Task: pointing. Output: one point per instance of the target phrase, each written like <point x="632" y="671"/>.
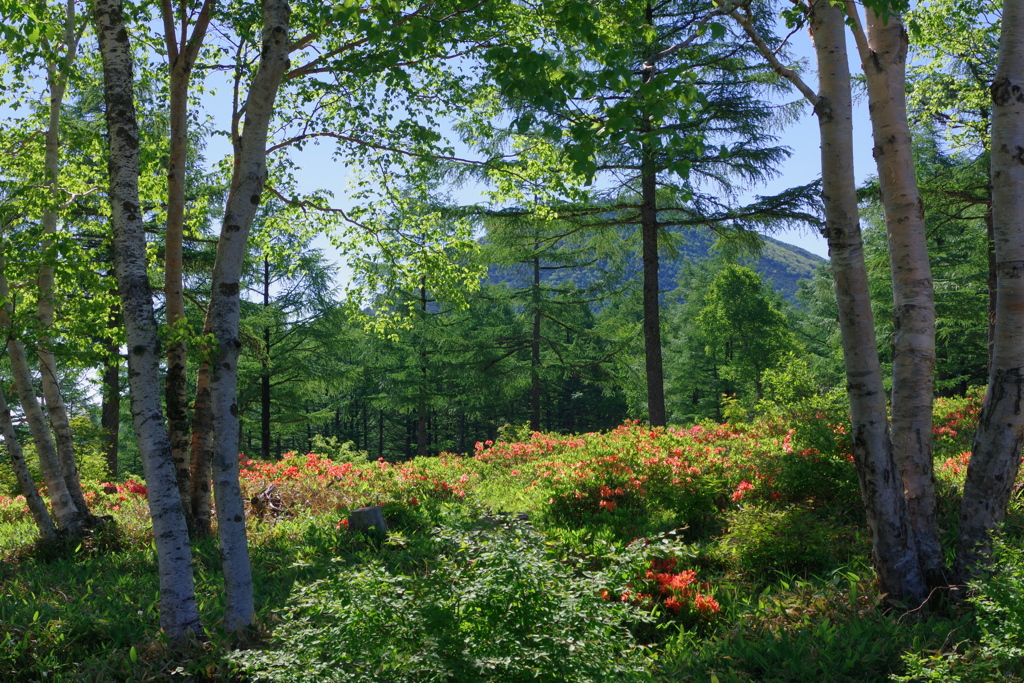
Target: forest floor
<point x="713" y="553"/>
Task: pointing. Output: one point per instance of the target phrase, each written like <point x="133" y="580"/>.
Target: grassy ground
<point x="716" y="553"/>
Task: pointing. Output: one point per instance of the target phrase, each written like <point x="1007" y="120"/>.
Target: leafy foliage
<point x="493" y="604"/>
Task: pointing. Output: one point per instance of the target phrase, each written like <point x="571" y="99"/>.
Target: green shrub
<point x="92" y="468"/>
<point x="805" y="631"/>
<point x="493" y="605"/>
<point x="337" y="451"/>
<point x="999" y="656"/>
<point x="827" y="478"/>
<point x="791" y="540"/>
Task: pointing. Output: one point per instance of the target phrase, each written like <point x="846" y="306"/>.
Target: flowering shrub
<point x="13" y="509"/>
<point x="677" y="594"/>
<point x="954" y="421"/>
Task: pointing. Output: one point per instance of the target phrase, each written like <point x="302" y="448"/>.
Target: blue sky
<point x="317" y="170"/>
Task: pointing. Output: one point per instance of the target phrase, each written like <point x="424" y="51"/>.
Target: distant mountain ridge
<point x="781" y="265"/>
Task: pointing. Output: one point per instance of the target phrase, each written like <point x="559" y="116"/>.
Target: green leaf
<point x="133" y="655"/>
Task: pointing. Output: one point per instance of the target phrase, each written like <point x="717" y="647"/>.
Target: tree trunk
<point x="201" y="456"/>
<point x="182" y="57"/>
<point x="179" y="614"/>
<point x="40" y="515"/>
<point x="883" y="54"/>
<point x="56" y="78"/>
<point x="895" y="551"/>
<point x="70" y="518"/>
<point x="990" y="281"/>
<point x="996" y="454"/>
<point x="224" y="314"/>
<point x="649" y="238"/>
<point x="110" y="412"/>
<point x="175" y="383"/>
<point x="535" y="351"/>
<point x="421" y="406"/>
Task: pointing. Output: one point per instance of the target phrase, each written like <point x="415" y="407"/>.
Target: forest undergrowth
<point x="718" y="552"/>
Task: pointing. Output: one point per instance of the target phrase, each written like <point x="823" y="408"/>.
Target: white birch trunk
<point x="179" y="614"/>
<point x="70" y="519"/>
<point x="36" y="506"/>
<point x="895" y="552"/>
<point x="996" y="454"/>
<point x="57" y="84"/>
<point x="243" y="200"/>
<point x="883" y="53"/>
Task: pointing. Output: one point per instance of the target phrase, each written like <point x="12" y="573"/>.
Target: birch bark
<point x="57" y="80"/>
<point x="36" y="506"/>
<point x="996" y="454"/>
<point x="883" y="55"/>
<point x="224" y="313"/>
<point x="895" y="551"/>
<point x="179" y="614"/>
<point x="70" y="519"/>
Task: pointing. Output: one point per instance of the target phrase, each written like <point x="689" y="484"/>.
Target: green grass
<point x="472" y="595"/>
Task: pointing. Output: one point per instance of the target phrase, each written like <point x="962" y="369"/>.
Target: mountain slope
<point x="781" y="265"/>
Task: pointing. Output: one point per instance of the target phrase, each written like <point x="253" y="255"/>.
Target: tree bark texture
<point x="895" y="551"/>
<point x="883" y="54"/>
<point x="57" y="78"/>
<point x="652" y="310"/>
<point x="243" y="201"/>
<point x="110" y="411"/>
<point x="36" y="506"/>
<point x="535" y="388"/>
<point x="996" y="454"/>
<point x="179" y="614"/>
<point x="201" y="456"/>
<point x="182" y="57"/>
<point x="70" y="518"/>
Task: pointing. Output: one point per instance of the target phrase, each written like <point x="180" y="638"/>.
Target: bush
<point x="999" y="656"/>
<point x="805" y="631"/>
<point x="338" y="452"/>
<point x="493" y="605"/>
<point x="791" y="540"/>
<point x="88" y="456"/>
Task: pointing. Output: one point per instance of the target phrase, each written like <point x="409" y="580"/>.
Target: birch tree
<point x="70" y="518"/>
<point x="179" y="614"/>
<point x="883" y="55"/>
<point x="893" y="542"/>
<point x="996" y="454"/>
<point x="247" y="186"/>
<point x="36" y="505"/>
<point x="57" y="74"/>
